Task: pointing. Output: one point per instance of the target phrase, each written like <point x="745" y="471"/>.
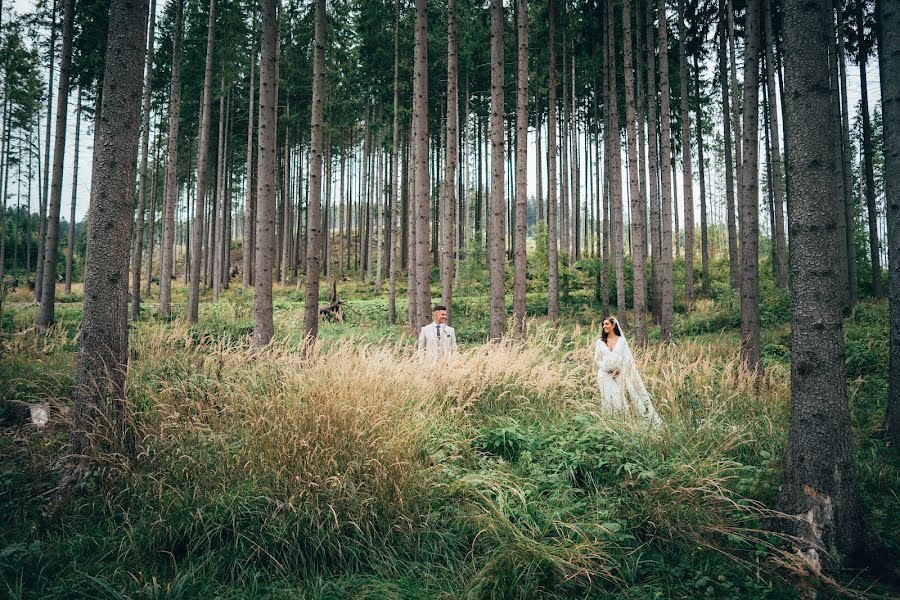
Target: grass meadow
<point x="354" y="472"/>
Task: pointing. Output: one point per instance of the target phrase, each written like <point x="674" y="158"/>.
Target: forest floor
<point x="353" y="473"/>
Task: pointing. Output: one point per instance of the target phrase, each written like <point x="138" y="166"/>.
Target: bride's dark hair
<point x="616" y="329"/>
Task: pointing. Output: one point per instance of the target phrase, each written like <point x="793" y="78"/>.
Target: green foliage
<point x="264" y="478"/>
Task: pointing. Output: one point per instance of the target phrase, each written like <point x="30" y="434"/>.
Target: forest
<point x="478" y="299"/>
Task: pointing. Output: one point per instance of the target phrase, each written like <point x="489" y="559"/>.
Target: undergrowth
<point x="354" y="471"/>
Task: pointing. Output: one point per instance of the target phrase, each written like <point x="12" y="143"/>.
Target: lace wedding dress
<point x="618" y="377"/>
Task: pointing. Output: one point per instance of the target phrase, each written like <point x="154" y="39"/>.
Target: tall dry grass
<point x="354" y="457"/>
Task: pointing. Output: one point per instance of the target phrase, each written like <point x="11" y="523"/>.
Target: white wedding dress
<point x="627" y="381"/>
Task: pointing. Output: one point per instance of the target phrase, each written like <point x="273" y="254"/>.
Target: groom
<point x="437" y="340"/>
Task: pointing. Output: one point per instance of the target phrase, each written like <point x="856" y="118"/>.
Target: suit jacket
<point x="431" y="348"/>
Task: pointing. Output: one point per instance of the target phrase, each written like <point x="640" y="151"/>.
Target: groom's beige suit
<point x="436" y="342"/>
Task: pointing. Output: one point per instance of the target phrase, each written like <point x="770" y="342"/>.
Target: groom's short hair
<point x="439" y="307"/>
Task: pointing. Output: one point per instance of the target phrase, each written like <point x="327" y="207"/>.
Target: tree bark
<point x="653" y="160"/>
<point x="735" y="102"/>
<point x="553" y="250"/>
<point x="264" y="253"/>
<point x="448" y="229"/>
<point x="101" y="411"/>
<point x="733" y="266"/>
<point x="395" y="179"/>
<point x="848" y="208"/>
<point x="751" y="345"/>
<point x="614" y="161"/>
<point x="778" y="236"/>
<point x="193" y="306"/>
<point x="889" y="68"/>
<point x="142" y="178"/>
<point x="820" y="485"/>
<point x="638" y="234"/>
<point x="521" y="168"/>
<point x="167" y="258"/>
<point x="539" y="175"/>
<point x="497" y="225"/>
<point x="152" y="224"/>
<point x="576" y="172"/>
<point x="868" y="169"/>
<point x="51" y="242"/>
<point x="704" y="231"/>
<point x="422" y="189"/>
<point x="248" y="242"/>
<point x="218" y="206"/>
<point x="667" y="308"/>
<point x="838" y="161"/>
<point x="45" y="196"/>
<point x="412" y="286"/>
<point x="688" y="177"/>
<point x="70" y="238"/>
<point x="314" y="206"/>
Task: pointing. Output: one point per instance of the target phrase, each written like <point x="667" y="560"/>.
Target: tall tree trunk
<point x="142" y="177"/>
<point x="688" y="178"/>
<point x="101" y="412"/>
<point x="28" y="198"/>
<point x="152" y="232"/>
<point x="667" y="308"/>
<point x="820" y="486"/>
<point x="564" y="134"/>
<point x="838" y="164"/>
<point x="264" y="253"/>
<point x="704" y="232"/>
<point x="395" y="179"/>
<point x="576" y="175"/>
<point x="190" y="206"/>
<point x="287" y="200"/>
<point x="521" y="168"/>
<point x="218" y="204"/>
<point x="497" y="223"/>
<point x="778" y="236"/>
<point x="447" y="257"/>
<point x="70" y="238"/>
<point x="314" y="207"/>
<point x="422" y="189"/>
<point x="641" y="117"/>
<point x="735" y="102"/>
<point x="848" y="208"/>
<point x="45" y="195"/>
<point x="539" y="199"/>
<point x="248" y="242"/>
<point x="638" y="237"/>
<point x="868" y="170"/>
<point x="889" y="69"/>
<point x="733" y="267"/>
<point x="167" y="258"/>
<point x="364" y="201"/>
<point x="615" y="171"/>
<point x="4" y="180"/>
<point x="653" y="162"/>
<point x="553" y="250"/>
<point x="197" y="232"/>
<point x="229" y="184"/>
<point x="379" y="212"/>
<point x="749" y="200"/>
<point x="51" y="242"/>
<point x="410" y="179"/>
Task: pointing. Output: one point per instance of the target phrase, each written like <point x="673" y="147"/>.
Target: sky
<point x="86" y="139"/>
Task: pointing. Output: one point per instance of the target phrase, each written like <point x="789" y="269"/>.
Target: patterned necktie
<point x="439" y="333"/>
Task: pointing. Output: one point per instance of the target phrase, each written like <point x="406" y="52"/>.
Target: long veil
<point x="634" y="385"/>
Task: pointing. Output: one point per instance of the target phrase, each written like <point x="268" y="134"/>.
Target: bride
<point x="617" y="374"/>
